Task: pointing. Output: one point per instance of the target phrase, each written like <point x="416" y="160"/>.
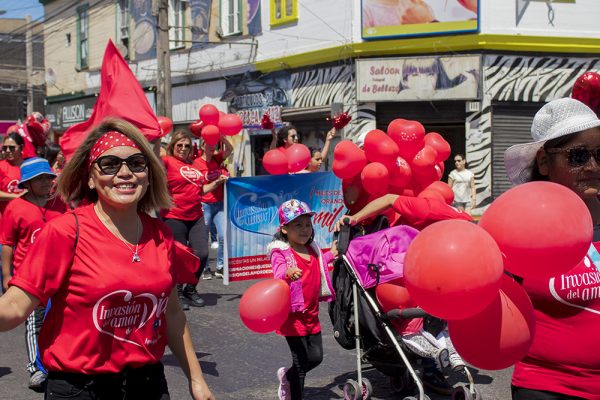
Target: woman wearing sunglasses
<point x="10" y="172"/>
<point x="108" y="269"/>
<point x="562" y="362"/>
<point x="186" y="218"/>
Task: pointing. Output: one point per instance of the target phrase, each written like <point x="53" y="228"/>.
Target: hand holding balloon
<point x="293" y="273"/>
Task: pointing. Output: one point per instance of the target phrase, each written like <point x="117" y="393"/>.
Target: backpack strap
<point x="76" y="232"/>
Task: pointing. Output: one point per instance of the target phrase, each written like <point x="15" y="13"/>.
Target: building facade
<point x="474" y="71"/>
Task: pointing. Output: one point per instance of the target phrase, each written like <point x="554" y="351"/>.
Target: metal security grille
<point x="511" y="124"/>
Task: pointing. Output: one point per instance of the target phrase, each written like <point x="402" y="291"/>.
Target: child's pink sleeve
<point x="278" y="264"/>
<point x="328" y="258"/>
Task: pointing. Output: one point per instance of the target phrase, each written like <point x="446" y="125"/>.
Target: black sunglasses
<point x="9" y="148"/>
<point x="578" y="156"/>
<point x="183" y="146"/>
<point x="110" y="165"/>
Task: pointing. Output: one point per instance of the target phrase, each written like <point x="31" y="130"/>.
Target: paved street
<point x="238" y="364"/>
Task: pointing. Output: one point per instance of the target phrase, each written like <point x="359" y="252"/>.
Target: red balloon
<point x="375" y="178"/>
<point x="230" y="124"/>
<point x="400" y="173"/>
<point x="211" y="135"/>
<point x="265" y="305"/>
<point x="379" y="147"/>
<point x="348" y="160"/>
<point x="587" y="90"/>
<point x="424" y="160"/>
<point x="209" y="114"/>
<point x="439" y="144"/>
<point x="275" y="162"/>
<point x="298" y="156"/>
<point x="166" y="125"/>
<point x="196" y="128"/>
<point x="452" y="269"/>
<point x="542" y="228"/>
<point x="442" y="188"/>
<point x="408" y="135"/>
<point x="393" y="295"/>
<point x="501" y="334"/>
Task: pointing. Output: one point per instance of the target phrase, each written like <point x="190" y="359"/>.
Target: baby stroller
<point x="376" y="342"/>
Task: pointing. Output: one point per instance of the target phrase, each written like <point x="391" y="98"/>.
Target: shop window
<point x="176" y="23"/>
<point x="283" y="12"/>
<point x="123" y="18"/>
<point x="231" y="17"/>
<point x="83" y="37"/>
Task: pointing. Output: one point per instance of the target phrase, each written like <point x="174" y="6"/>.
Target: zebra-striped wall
<point x="514" y="79"/>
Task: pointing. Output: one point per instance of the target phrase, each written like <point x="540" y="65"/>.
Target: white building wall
<point x="541" y="18"/>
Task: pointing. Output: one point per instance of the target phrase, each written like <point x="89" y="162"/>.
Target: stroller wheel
<point x="463" y="393"/>
<point x="353" y="391"/>
<point x="398" y="384"/>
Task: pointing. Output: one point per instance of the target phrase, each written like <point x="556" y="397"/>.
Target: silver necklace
<point x="136" y="257"/>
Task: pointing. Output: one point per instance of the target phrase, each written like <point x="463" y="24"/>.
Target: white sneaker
<point x="207" y="275"/>
<point x="284" y="385"/>
<point x="219" y="274"/>
<point x="214" y="245"/>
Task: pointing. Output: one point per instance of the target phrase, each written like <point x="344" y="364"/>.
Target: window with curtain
<point x="83" y="37"/>
<point x="283" y="12"/>
<point x="231" y="17"/>
<point x="176" y="23"/>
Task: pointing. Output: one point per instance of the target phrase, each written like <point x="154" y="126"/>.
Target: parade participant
<point x="319" y="156"/>
<point x="284" y="138"/>
<point x="108" y="268"/>
<point x="210" y="164"/>
<point x="565" y="150"/>
<point x="186" y="218"/>
<point x="462" y="182"/>
<point x="9" y="169"/>
<point x="299" y="261"/>
<point x="22" y="221"/>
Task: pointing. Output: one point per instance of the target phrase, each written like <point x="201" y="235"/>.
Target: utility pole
<point x="29" y="64"/>
<point x="163" y="57"/>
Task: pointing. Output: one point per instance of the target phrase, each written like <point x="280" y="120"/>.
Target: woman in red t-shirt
<point x="562" y="362"/>
<point x="109" y="269"/>
<point x="186" y="218"/>
<point x="210" y="164"/>
<point x="10" y="173"/>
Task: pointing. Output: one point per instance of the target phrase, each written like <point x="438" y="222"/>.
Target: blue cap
<point x="34" y="167"/>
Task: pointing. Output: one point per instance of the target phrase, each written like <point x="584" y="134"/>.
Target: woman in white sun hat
<point x="561" y="363"/>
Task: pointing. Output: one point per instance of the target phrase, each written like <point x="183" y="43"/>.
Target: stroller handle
<point x="406" y="313"/>
<point x="343" y="237"/>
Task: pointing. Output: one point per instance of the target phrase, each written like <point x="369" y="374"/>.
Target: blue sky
<point x="20" y="8"/>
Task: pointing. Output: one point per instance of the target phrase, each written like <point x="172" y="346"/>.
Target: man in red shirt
<point x="23" y="219"/>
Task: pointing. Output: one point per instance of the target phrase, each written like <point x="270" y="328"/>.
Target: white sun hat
<point x="555" y="119"/>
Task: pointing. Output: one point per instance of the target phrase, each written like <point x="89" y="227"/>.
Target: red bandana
<point x="108" y="141"/>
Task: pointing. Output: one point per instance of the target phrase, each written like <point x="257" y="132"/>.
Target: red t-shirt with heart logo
<point x="563" y="357"/>
<point x="10" y="175"/>
<point x="22" y="222"/>
<point x="185" y="183"/>
<point x="211" y="171"/>
<point x="107" y="312"/>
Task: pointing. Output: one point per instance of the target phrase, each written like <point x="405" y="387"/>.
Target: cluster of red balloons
<point x="214" y="123"/>
<point x="455" y="270"/>
<point x="265" y="306"/>
<point x="404" y="161"/>
<point x="283" y="161"/>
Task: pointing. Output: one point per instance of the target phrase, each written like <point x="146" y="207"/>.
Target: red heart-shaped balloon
<point x="587" y="90"/>
<point x="348" y="160"/>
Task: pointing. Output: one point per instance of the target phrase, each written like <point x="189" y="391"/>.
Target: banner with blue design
<point x="251" y="211"/>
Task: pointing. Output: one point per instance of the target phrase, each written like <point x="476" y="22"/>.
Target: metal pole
<point x="29" y="64"/>
<point x="163" y="58"/>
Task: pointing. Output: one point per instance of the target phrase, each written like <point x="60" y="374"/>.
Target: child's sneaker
<point x="284" y="385"/>
<point x="207" y="275"/>
<point x="36" y="381"/>
<point x="219" y="274"/>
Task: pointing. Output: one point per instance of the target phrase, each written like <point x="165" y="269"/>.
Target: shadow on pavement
<point x="208" y="367"/>
<point x="5" y="371"/>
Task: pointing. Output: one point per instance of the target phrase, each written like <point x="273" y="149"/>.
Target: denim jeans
<point x="213" y="212"/>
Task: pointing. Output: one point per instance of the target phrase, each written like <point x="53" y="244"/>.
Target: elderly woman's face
<point x="576" y="164"/>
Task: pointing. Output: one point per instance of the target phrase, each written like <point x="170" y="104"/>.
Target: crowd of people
<point x="105" y="330"/>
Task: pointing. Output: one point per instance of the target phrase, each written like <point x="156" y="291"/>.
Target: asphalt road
<point x="239" y="364"/>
